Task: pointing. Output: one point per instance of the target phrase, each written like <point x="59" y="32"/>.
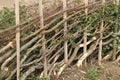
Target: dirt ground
<point x="6" y="3"/>
<point x="108" y="71"/>
<point x="10" y="3"/>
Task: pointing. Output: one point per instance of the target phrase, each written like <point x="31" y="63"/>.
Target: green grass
<point x="92" y="74"/>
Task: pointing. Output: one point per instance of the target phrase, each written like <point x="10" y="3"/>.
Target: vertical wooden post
<point x="43" y="37"/>
<point x="85" y="36"/>
<point x="86" y="9"/>
<point x="116" y="2"/>
<point x="17" y="19"/>
<point x="65" y="31"/>
<point x="101" y="36"/>
<point x="85" y="33"/>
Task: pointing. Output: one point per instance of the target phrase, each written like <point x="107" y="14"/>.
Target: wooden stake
<point x="86" y="4"/>
<point x="85" y="36"/>
<point x="43" y="37"/>
<point x="17" y="18"/>
<point x="85" y="33"/>
<point x="115" y="30"/>
<point x="65" y="31"/>
<point x="117" y="2"/>
<point x="101" y="36"/>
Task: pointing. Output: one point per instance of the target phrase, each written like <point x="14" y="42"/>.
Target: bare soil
<point x="108" y="71"/>
<point x="6" y="3"/>
<point x="10" y="3"/>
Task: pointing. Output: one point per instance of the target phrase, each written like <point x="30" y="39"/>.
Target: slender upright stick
<point x="85" y="33"/>
<point x="117" y="2"/>
<point x="115" y="30"/>
<point x="85" y="36"/>
<point x="17" y="18"/>
<point x="43" y="37"/>
<point x="101" y="36"/>
<point x="65" y="31"/>
<point x="86" y="9"/>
